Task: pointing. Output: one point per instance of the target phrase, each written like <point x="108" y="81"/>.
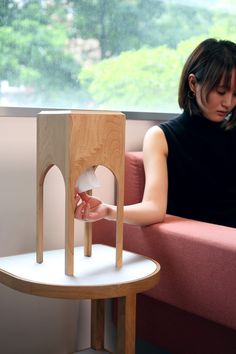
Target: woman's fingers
<point x="77" y="197"/>
<point x="87" y="212"/>
<point x="80" y="211"/>
<point x="76" y="200"/>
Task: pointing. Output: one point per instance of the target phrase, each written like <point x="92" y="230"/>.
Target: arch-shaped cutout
<point x="54" y="208"/>
<point x="44" y="173"/>
<point x="106" y="182"/>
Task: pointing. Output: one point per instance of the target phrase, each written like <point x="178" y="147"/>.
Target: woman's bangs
<point x="227" y="78"/>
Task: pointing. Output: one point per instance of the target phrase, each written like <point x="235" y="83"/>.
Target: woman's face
<point x="220" y="102"/>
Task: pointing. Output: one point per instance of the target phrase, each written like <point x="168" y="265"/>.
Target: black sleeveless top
<point x="201" y="169"/>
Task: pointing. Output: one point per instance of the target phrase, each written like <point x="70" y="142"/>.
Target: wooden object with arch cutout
<point x="75" y="141"/>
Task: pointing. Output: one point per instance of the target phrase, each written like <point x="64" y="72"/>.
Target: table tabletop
<point x="94" y="277"/>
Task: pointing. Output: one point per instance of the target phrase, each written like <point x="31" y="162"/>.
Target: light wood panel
<point x="75" y="141"/>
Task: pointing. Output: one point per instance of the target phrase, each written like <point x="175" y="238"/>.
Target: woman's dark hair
<point x="211" y="62"/>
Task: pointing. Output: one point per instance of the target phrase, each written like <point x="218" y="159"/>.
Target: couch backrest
<point x="134" y="177"/>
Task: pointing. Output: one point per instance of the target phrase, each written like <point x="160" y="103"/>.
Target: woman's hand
<point x="88" y="208"/>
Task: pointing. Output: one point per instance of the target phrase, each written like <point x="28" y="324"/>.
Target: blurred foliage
<point x="136" y="79"/>
<point x="34" y="54"/>
<point x="127" y="25"/>
<point x="142" y="45"/>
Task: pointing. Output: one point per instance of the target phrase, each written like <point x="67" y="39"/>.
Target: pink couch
<point x="193" y="308"/>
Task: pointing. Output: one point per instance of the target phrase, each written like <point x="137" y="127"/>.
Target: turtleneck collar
<point x="201" y="122"/>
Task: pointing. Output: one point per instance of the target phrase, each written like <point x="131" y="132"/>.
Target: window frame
<point x="28" y="112"/>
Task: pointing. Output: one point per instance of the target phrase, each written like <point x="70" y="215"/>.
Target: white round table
<point x="96" y="278"/>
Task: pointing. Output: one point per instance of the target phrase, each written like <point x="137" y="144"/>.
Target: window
<point x="103" y="54"/>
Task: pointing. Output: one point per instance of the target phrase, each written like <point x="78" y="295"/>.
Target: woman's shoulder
<point x="155" y="132"/>
<point x="155" y="140"/>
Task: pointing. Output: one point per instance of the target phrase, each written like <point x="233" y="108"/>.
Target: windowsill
<point x="32" y="112"/>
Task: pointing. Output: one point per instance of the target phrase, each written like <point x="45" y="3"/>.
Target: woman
<point x="189" y="161"/>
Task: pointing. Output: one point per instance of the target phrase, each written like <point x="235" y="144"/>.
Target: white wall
<point x="30" y="324"/>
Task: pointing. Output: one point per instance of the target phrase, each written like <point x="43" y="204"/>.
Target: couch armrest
<point x="198" y="263"/>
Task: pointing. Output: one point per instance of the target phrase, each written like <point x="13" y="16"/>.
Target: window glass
<point x="103" y="54"/>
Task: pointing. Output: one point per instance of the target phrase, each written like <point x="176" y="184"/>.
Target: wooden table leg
<point x="126" y="324"/>
<point x="88" y="240"/>
<point x="97" y="324"/>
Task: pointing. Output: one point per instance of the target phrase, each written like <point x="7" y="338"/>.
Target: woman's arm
<point x="152" y="209"/>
